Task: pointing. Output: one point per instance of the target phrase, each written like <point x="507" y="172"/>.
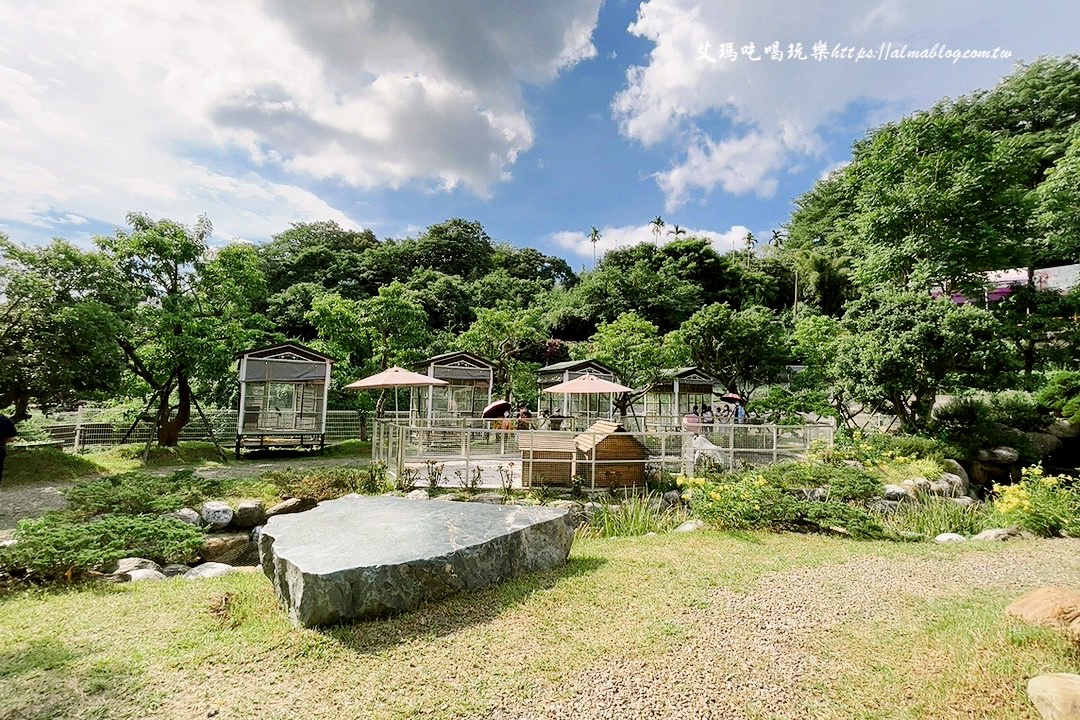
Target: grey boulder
<point x="291" y="505"/>
<point x="208" y="570"/>
<point x="363" y="557"/>
<point x="249" y="513"/>
<point x="216" y="514"/>
<point x="947" y="538"/>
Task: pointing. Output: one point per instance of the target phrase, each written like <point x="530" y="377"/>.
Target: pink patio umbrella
<point x="587" y="385"/>
<point x="392" y="379"/>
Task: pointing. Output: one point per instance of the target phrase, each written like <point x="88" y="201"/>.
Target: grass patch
<point x="638" y="515"/>
<point x="37" y="465"/>
<point x="223" y="646"/>
<point x="895" y="473"/>
<point x="125" y="458"/>
<point x="956" y="658"/>
<point x="349" y="448"/>
<point x="930" y="516"/>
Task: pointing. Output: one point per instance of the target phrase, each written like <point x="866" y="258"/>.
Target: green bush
<point x="850" y="485"/>
<point x="784" y="405"/>
<point x="842" y="517"/>
<point x="876" y="448"/>
<point x="969" y="424"/>
<point x="136" y="493"/>
<point x="931" y="516"/>
<point x="325" y="483"/>
<point x="1061" y="394"/>
<point x="61" y="543"/>
<point x="741" y="502"/>
<point x="1018" y="410"/>
<point x="843" y="483"/>
<point x="1046" y="505"/>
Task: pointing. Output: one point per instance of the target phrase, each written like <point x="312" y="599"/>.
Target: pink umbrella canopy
<point x="587" y="385"/>
<point x="393" y="378"/>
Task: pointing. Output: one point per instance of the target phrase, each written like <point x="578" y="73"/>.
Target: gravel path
<point x="753" y="654"/>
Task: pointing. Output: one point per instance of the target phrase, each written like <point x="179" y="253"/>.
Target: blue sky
<point x="539" y="120"/>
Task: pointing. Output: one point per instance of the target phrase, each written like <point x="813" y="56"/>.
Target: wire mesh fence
<point x="91" y="428"/>
<point x="593" y="459"/>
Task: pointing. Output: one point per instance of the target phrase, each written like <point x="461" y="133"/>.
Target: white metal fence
<point x="94" y="427"/>
<point x="494" y="456"/>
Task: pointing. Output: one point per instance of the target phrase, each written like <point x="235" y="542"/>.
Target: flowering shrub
<point x="1046" y="505"/>
<point x="739" y="502"/>
<point x="756" y="500"/>
<point x="877" y="449"/>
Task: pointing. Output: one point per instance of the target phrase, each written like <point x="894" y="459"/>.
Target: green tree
<point x="506" y="336"/>
<point x="742" y="348"/>
<point x="898" y="351"/>
<point x="57" y="327"/>
<point x="185" y="311"/>
<point x="634" y="349"/>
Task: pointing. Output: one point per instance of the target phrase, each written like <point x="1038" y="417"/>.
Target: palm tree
<point x="657" y="227"/>
<point x="676" y="231"/>
<point x="594" y="237"/>
<point x="750" y="242"/>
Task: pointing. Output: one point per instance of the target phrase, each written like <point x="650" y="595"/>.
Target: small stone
<point x="208" y="570"/>
<point x="955" y="486"/>
<point x="226" y="547"/>
<point x="1055" y="695"/>
<point x="1062" y="428"/>
<point x="126" y="565"/>
<point x="144" y="574"/>
<point x="917" y="485"/>
<point x="963" y="501"/>
<point x="191" y="517"/>
<point x="489" y="498"/>
<point x="216" y="514"/>
<point x="947" y="538"/>
<point x="418" y="495"/>
<point x="249" y="513"/>
<point x="690" y="526"/>
<point x="954" y="468"/>
<point x="174" y="570"/>
<point x="897" y="493"/>
<point x="886" y="507"/>
<point x="577" y="512"/>
<point x="997" y="535"/>
<point x="672" y="497"/>
<point x="1002" y="455"/>
<point x="292" y="505"/>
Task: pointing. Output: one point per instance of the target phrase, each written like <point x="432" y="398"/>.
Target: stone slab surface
<point x="361" y="557"/>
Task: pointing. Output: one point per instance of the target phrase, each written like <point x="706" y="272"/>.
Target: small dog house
<point x="283" y="392"/>
<point x="604" y="456"/>
<point x="609" y="457"/>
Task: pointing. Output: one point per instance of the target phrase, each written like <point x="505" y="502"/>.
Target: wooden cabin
<point x="610" y="457"/>
<point x="676" y="394"/>
<point x="283" y="392"/>
<point x="471" y="382"/>
<point x="587" y="406"/>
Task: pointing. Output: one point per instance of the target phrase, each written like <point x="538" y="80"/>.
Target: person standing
<point x="7" y="435"/>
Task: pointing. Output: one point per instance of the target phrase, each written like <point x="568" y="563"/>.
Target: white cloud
<point x="238" y="109"/>
<point x="737" y="124"/>
<point x="627" y="235"/>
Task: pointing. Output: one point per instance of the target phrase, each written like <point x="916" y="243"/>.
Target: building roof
<point x="280" y="350"/>
<point x="576" y="365"/>
<point x="684" y="372"/>
<point x="445" y="358"/>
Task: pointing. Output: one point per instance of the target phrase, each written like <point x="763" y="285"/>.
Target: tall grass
<point x="638" y="515"/>
<point x="930" y="516"/>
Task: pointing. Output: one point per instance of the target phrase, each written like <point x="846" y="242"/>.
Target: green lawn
<point x="223" y="648"/>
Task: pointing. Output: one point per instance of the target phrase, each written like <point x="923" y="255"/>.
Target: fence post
<point x="731" y="446"/>
<point x="78" y="427"/>
<point x="775" y="435"/>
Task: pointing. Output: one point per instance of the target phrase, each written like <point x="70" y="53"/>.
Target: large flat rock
<point x="362" y="557"/>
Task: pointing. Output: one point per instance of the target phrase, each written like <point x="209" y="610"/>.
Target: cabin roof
<point x="301" y="352"/>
